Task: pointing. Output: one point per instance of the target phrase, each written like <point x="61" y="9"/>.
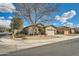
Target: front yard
<point x="39" y="37"/>
<point x="9" y="45"/>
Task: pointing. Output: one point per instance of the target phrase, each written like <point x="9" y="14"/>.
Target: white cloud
<point x="68" y="24"/>
<point x="77" y="25"/>
<point x="66" y="16"/>
<point x="10" y="17"/>
<point x="7" y="7"/>
<point x="5" y="23"/>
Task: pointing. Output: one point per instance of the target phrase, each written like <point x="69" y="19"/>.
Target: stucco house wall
<point x="50" y="30"/>
<point x="65" y="30"/>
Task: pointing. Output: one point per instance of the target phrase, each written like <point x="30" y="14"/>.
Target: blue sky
<point x="64" y="8"/>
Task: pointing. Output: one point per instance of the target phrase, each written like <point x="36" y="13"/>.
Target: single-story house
<point x="65" y="30"/>
<point x="40" y="30"/>
<point x="34" y="29"/>
<point x="30" y="30"/>
<point x="50" y="30"/>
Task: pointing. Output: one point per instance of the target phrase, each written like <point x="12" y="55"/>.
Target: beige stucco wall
<point x="66" y="32"/>
<point x="32" y="31"/>
<point x="50" y="31"/>
<point x="73" y="31"/>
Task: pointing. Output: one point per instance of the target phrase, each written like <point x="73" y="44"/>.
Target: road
<point x="64" y="48"/>
<point x="4" y="34"/>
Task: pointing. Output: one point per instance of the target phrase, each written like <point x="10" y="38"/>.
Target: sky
<point x="66" y="8"/>
<point x="68" y="15"/>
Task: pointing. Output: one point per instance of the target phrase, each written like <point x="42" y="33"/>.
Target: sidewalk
<point x="9" y="45"/>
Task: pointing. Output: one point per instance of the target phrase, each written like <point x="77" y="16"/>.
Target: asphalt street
<point x="4" y="34"/>
<point x="64" y="48"/>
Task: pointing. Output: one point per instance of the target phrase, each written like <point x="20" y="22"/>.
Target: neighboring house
<point x="77" y="30"/>
<point x="50" y="30"/>
<point x="65" y="30"/>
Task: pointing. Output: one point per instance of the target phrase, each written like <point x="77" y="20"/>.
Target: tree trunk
<point x="14" y="33"/>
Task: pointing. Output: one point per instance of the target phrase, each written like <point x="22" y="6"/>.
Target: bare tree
<point x="37" y="12"/>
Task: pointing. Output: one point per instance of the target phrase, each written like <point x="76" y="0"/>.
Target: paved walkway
<point x="9" y="45"/>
